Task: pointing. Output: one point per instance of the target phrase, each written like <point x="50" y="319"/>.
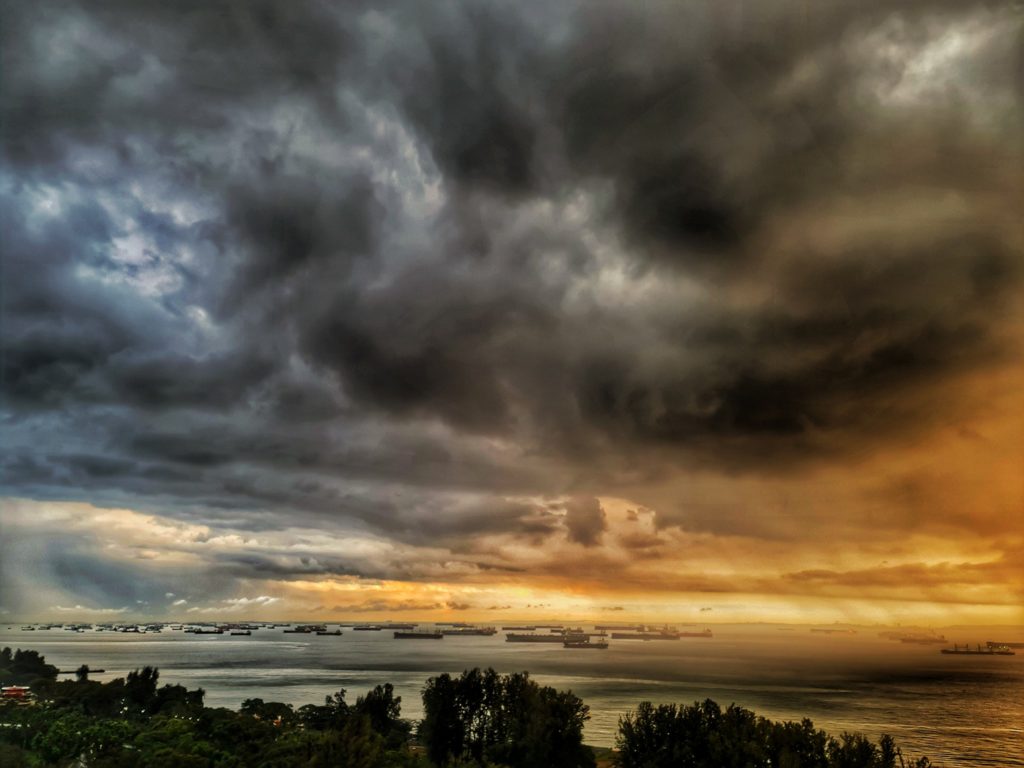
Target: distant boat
<point x="239" y="633"/>
<point x="418" y="636"/>
<point x="336" y="633"/>
<point x="366" y="628"/>
<point x="516" y="637"/>
<point x="306" y="629"/>
<point x="598" y="644"/>
<point x="479" y="631"/>
<point x="966" y="650"/>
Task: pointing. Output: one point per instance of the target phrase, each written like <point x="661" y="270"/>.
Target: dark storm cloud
<point x="585" y="521"/>
<point x="837" y="343"/>
<point x="387" y="264"/>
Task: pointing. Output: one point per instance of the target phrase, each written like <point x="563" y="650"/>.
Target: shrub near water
<point x="704" y="735"/>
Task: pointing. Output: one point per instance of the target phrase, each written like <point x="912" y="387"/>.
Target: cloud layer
<point x="435" y="282"/>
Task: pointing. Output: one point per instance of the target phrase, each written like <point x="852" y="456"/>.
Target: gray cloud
<point x="585" y="521"/>
<point x="388" y="267"/>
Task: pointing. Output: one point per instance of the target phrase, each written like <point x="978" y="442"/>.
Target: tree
<point x="483" y="717"/>
<point x="442" y="729"/>
<point x="140" y="688"/>
<point x="383" y="710"/>
<point x="702" y="735"/>
<point x="24" y="667"/>
<point x="270" y="711"/>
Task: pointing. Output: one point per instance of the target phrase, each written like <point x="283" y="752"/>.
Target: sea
<point x="956" y="710"/>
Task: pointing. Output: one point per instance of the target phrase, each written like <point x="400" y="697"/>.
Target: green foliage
<point x="270" y="711"/>
<point x="704" y="736"/>
<point x="24" y="667"/>
<point x="12" y="756"/>
<point x="483" y="717"/>
<point x="477" y="720"/>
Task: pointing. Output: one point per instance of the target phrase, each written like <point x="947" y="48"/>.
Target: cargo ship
<point x="650" y="633"/>
<point x="479" y="631"/>
<point x="404" y="635"/>
<point x="599" y="644"/>
<point x="516" y="637"/>
<point x="241" y="633"/>
<point x="993" y="644"/>
<point x="306" y="629"/>
<point x="335" y="633"/>
<point x="966" y="650"/>
<point x="832" y="631"/>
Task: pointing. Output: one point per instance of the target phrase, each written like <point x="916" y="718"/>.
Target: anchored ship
<point x="516" y="637"/>
<point x="588" y="643"/>
<point x="966" y="650"/>
<point x="484" y="631"/>
<point x="404" y="635"/>
<point x="306" y="629"/>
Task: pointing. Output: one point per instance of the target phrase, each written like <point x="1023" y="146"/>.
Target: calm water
<point x="957" y="710"/>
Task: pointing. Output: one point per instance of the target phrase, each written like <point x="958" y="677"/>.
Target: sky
<point x="689" y="312"/>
